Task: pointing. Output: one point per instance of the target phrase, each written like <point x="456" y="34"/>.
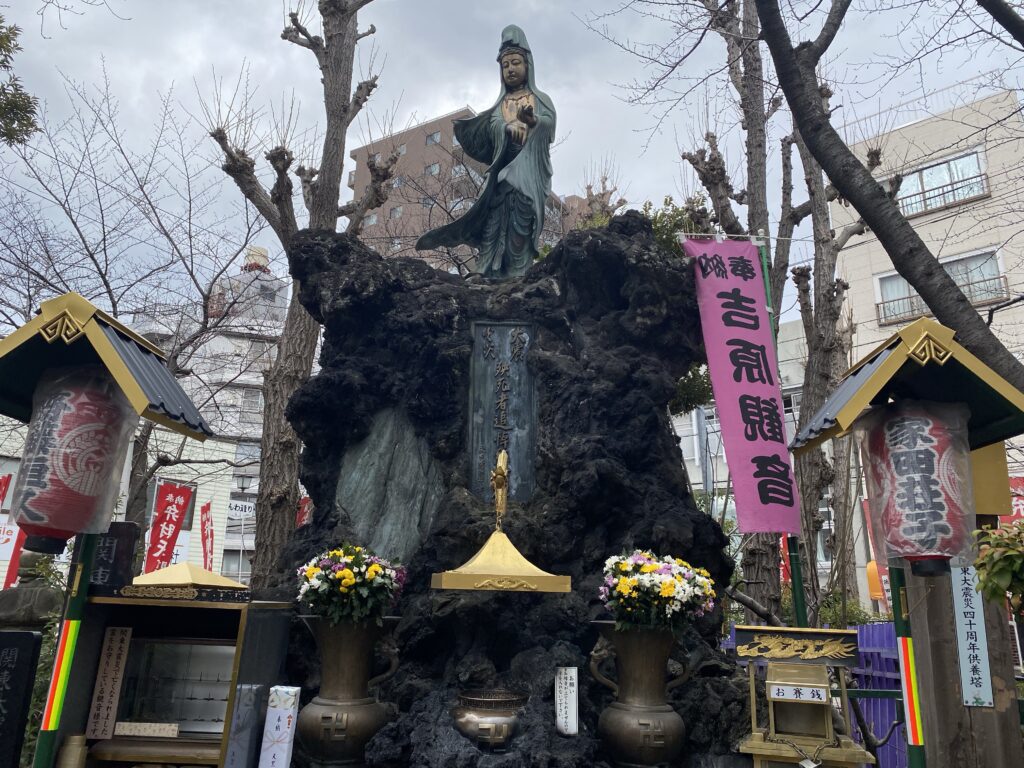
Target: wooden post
<point x="957" y="736"/>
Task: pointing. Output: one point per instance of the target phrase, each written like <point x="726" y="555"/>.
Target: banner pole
<point x="908" y="670"/>
<point x="74" y="610"/>
<point x="792" y="542"/>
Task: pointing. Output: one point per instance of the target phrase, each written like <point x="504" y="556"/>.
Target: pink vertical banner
<point x="206" y="532"/>
<point x="745" y="378"/>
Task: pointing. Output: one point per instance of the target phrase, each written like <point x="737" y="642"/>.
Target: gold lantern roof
<point x="921" y="361"/>
<point x="68" y="331"/>
<point x="498" y="565"/>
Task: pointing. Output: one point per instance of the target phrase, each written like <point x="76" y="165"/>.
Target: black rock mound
<point x="386" y="462"/>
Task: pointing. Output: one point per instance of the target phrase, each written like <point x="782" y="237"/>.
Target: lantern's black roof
<point x="70" y="331"/>
<point x="921" y="361"/>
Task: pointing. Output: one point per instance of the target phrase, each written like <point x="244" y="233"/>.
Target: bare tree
<point x="333" y="49"/>
<point x="796" y="68"/>
<point x="141" y="233"/>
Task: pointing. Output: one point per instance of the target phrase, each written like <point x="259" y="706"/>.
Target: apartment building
<point x="962" y="190"/>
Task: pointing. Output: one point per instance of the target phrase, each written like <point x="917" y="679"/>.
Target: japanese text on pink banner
<point x="745" y="379"/>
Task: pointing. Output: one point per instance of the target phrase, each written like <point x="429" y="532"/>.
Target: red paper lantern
<point x="919" y="482"/>
<point x="74" y="451"/>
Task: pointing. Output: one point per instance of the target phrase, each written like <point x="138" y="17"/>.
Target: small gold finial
<point x="499" y="483"/>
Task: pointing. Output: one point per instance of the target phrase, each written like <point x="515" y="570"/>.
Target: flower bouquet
<point x="350" y="583"/>
<point x="642" y="590"/>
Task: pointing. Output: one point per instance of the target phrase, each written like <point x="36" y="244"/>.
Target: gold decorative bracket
<point x="928" y="349"/>
<point x="64" y="327"/>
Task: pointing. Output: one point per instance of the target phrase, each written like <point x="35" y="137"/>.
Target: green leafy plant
<point x="1000" y="564"/>
<point x="349" y="583"/>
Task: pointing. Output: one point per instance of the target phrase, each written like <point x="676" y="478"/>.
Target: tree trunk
<point x="910" y="256"/>
<point x="277" y="502"/>
<point x="278" y="498"/>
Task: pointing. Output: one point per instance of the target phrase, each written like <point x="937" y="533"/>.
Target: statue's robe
<point x="510" y="209"/>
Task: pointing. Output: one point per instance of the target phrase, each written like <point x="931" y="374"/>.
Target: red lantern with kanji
<point x="919" y="482"/>
<point x="74" y="452"/>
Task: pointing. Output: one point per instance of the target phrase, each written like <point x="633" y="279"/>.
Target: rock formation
<point x="386" y="463"/>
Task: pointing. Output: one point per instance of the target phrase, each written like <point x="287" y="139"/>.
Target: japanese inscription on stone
<point x="113" y="560"/>
<point x="107" y="692"/>
<point x="19" y="654"/>
<point x="502" y="407"/>
<point x="971" y="640"/>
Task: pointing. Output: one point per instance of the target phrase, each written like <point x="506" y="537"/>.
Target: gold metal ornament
<point x="498" y="566"/>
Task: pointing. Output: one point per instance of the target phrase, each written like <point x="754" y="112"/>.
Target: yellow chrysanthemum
<point x="346" y="573"/>
<point x="668" y="589"/>
<point x="649" y="568"/>
<point x="348" y="582"/>
<point x="343" y="590"/>
<point x="623" y="566"/>
<point x="312" y="571"/>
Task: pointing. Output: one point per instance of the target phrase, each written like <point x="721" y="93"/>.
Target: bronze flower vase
<point x="639" y="728"/>
<point x="336" y="725"/>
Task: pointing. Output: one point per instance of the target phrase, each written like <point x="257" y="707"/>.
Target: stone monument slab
<point x="502" y="407"/>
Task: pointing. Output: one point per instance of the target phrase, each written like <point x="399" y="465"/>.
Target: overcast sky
<point x="436" y="56"/>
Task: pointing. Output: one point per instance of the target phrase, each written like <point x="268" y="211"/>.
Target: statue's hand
<point x="517" y="131"/>
<point x="527" y="116"/>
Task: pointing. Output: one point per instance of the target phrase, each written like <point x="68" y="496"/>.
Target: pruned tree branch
<point x="709" y="165"/>
<point x="754" y="607"/>
<point x="375" y="194"/>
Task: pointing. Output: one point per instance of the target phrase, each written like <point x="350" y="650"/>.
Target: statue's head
<point x="513" y="68"/>
<point x="514" y="57"/>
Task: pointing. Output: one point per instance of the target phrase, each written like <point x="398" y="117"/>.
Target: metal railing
<point x="940" y="197"/>
<point x="979" y="293"/>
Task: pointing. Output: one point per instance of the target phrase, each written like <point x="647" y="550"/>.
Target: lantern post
<point x="934" y="415"/>
<point x="81" y="380"/>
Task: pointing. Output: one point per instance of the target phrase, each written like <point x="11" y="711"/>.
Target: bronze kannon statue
<point x="513" y="138"/>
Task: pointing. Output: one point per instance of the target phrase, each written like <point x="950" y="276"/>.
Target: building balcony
<point x="990" y="290"/>
<point x="944" y="196"/>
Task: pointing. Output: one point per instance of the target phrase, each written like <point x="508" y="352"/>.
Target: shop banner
<point x="305" y="513"/>
<point x="1016" y="501"/>
<point x="11" y="538"/>
<point x="745" y="379"/>
<point x="171" y="506"/>
<point x="206" y="533"/>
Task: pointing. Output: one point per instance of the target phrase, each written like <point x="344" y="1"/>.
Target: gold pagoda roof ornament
<point x="499" y="566"/>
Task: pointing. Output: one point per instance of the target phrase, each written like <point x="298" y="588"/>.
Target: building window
<point x="455" y="141"/>
<point x="401" y="149"/>
<point x="370" y="220"/>
<point x="433" y="138"/>
<point x="258" y="356"/>
<point x="978" y="276"/>
<point x="351" y="178"/>
<point x="937" y="186"/>
<point x="235" y="564"/>
<point x="250" y="406"/>
<point x="432" y="170"/>
<point x="458" y="170"/>
<point x="395" y="212"/>
<point x="396" y="244"/>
